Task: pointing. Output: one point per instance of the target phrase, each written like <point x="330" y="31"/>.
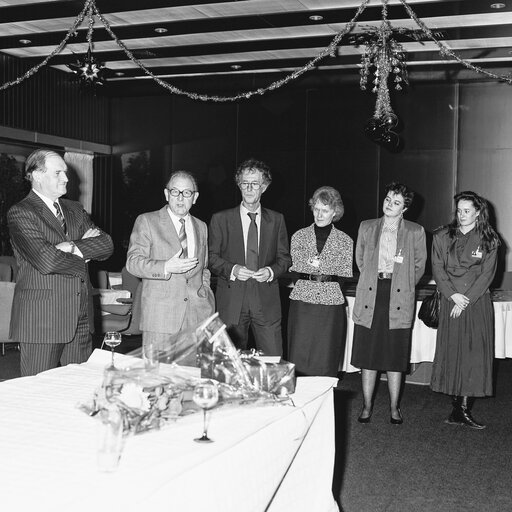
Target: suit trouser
<point x="39" y="357"/>
<point x="268" y="335"/>
<point x="180" y="346"/>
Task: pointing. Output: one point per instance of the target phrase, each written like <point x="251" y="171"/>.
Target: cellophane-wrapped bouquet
<point x="242" y="376"/>
<point x="147" y="397"/>
<point x="145" y="400"/>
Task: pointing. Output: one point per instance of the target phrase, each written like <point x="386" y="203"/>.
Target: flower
<point x="141" y="401"/>
<point x="134" y="397"/>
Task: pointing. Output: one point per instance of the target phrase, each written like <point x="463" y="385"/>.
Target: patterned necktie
<point x="60" y="216"/>
<point x="183" y="239"/>
<point x="251" y="260"/>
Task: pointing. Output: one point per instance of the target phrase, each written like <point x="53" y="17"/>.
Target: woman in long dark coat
<point x="322" y="255"/>
<point x="391" y="255"/>
<point x="464" y="264"/>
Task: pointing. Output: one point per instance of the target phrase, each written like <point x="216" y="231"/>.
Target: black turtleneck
<point x="321" y="234"/>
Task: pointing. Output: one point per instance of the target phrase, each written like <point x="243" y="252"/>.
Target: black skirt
<point x="316" y="337"/>
<point x="381" y="348"/>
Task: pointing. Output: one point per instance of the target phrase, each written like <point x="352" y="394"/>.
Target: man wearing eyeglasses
<point x="249" y="250"/>
<point x="169" y="251"/>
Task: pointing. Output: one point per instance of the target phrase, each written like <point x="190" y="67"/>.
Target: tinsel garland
<point x="330" y="50"/>
<point x="71" y="33"/>
<point x="327" y="51"/>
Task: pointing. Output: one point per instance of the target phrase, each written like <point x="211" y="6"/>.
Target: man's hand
<point x="177" y="265"/>
<point x="65" y="246"/>
<point x="262" y="275"/>
<point x="91" y="232"/>
<point x="242" y="273"/>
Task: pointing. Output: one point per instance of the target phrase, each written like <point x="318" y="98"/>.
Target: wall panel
<point x="50" y="103"/>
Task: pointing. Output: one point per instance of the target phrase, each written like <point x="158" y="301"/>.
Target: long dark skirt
<point x="316" y="337"/>
<point x="381" y="348"/>
<point x="465" y="350"/>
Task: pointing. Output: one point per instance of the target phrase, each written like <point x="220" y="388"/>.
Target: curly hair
<point x="489" y="237"/>
<point x="253" y="165"/>
<point x="330" y="197"/>
<point x="403" y="190"/>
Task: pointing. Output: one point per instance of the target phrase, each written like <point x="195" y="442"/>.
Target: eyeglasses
<point x="254" y="185"/>
<point x="185" y="193"/>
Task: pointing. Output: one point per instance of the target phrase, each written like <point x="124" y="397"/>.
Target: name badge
<point x="314" y="262"/>
<point x="398" y="257"/>
<point x="477" y="253"/>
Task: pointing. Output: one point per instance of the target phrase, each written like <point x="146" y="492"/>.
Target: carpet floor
<point x="425" y="464"/>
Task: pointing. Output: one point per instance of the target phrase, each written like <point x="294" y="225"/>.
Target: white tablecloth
<point x="423" y="343"/>
<point x="273" y="458"/>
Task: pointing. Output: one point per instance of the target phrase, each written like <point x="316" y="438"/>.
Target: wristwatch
<point x="73" y="247"/>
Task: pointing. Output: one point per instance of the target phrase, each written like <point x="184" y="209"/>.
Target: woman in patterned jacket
<point x="321" y="255"/>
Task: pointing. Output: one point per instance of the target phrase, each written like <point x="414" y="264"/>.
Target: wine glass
<point x="112" y="339"/>
<point x="206" y="395"/>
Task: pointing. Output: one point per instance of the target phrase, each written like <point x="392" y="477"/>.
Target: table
<point x="272" y="458"/>
<point x="423" y="343"/>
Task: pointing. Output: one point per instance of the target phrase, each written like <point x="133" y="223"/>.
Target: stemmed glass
<point x="112" y="339"/>
<point x="206" y="395"/>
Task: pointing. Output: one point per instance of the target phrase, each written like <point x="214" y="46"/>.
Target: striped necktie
<point x="251" y="260"/>
<point x="183" y="239"/>
<point x="60" y="217"/>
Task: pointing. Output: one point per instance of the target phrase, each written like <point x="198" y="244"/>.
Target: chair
<point x="129" y="282"/>
<point x="11" y="261"/>
<point x="6" y="298"/>
<point x="124" y="318"/>
<point x="5" y="272"/>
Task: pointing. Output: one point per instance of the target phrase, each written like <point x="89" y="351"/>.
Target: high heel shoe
<point x="366" y="419"/>
<point x="397" y="421"/>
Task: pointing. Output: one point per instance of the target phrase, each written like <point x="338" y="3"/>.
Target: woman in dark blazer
<point x="322" y="257"/>
<point x="391" y="255"/>
<point x="463" y="264"/>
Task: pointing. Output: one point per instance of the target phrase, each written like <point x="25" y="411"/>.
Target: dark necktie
<point x="183" y="239"/>
<point x="60" y="216"/>
<point x="251" y="260"/>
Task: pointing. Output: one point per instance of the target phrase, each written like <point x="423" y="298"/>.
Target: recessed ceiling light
<point x="236" y="67"/>
<point x="161" y="30"/>
<point x="119" y="73"/>
<point x="316" y="17"/>
<point x="25" y="41"/>
<point x="498" y="5"/>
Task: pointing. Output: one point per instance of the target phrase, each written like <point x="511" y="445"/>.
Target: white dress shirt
<point x="189" y="230"/>
<point x="246" y="221"/>
<point x="48" y="202"/>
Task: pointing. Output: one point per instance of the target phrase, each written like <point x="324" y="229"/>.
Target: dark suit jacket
<point x="226" y="246"/>
<point x="50" y="282"/>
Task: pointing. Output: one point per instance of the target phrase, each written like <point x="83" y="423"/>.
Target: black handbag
<point x="429" y="310"/>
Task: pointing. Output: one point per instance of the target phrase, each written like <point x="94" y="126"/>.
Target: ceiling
<point x="222" y="45"/>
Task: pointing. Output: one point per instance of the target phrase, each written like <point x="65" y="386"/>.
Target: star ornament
<point x="88" y="70"/>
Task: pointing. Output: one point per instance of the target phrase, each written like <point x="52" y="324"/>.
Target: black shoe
<point x="454" y="418"/>
<point x="468" y="420"/>
<point x="365" y="419"/>
<point x="396" y="421"/>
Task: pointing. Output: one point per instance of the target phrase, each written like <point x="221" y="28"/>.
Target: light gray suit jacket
<point x="167" y="298"/>
<point x="411" y="242"/>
